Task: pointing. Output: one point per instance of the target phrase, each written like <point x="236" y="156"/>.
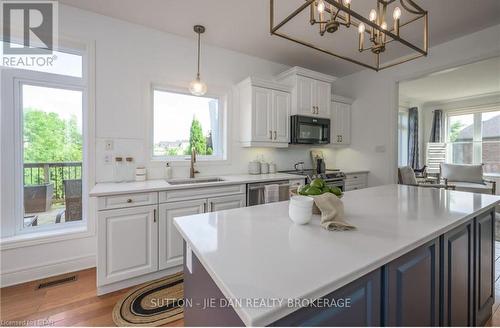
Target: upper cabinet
<point x="311" y="91"/>
<point x="340" y="121"/>
<point x="264" y="113"/>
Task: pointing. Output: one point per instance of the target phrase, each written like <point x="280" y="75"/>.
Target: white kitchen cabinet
<point x="170" y="241"/>
<point x="356" y="181"/>
<point x="264" y="113"/>
<point x="226" y="203"/>
<point x="341" y="121"/>
<point x="262" y="108"/>
<point x="311" y="91"/>
<point x="281" y="116"/>
<point x="130" y="237"/>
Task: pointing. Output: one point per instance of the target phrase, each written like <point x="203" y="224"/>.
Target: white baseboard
<point x="26" y="274"/>
<point x="101" y="290"/>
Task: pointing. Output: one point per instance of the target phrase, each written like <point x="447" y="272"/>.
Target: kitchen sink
<point x="193" y="181"/>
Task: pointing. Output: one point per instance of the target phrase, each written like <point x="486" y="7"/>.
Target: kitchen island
<point x="419" y="256"/>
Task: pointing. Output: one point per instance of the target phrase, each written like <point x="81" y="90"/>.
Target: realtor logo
<point x="29" y="27"/>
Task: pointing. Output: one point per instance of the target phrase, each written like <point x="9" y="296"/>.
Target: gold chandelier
<point x="374" y="34"/>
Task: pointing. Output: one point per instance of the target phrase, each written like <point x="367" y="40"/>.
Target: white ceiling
<point x="243" y="25"/>
<point x="476" y="79"/>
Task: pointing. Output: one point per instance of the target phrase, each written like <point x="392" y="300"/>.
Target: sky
<point x="61" y="101"/>
<point x="174" y="113"/>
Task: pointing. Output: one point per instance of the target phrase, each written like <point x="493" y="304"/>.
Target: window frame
<point x="221" y="156"/>
<point x="477" y="140"/>
<point x="14" y="233"/>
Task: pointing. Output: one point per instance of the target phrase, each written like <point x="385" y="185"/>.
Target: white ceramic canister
<point x="272" y="168"/>
<point x="264" y="168"/>
<point x="254" y="167"/>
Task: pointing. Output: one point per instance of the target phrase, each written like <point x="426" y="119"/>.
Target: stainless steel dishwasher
<point x="255" y="192"/>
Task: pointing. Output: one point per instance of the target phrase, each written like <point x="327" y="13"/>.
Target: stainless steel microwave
<point x="309" y="130"/>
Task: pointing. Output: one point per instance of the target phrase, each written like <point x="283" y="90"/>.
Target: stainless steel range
<point x="333" y="178"/>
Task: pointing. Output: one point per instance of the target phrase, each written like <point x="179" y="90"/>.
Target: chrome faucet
<point x="192" y="171"/>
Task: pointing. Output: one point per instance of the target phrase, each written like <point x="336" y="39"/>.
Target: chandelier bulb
<point x="373" y="15"/>
<point x="383" y="26"/>
<point x="321" y="6"/>
<point x="347" y="2"/>
<point x="396" y="14"/>
<point x="361" y="28"/>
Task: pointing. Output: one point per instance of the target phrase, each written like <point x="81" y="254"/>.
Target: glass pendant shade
<point x="197" y="87"/>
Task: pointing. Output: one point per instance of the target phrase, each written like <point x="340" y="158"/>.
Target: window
<point x="60" y="62"/>
<point x="44" y="138"/>
<point x="403" y="138"/>
<point x="182" y="122"/>
<point x="474" y="138"/>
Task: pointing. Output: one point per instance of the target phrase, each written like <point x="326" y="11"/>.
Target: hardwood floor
<point x="76" y="303"/>
<point x="70" y="304"/>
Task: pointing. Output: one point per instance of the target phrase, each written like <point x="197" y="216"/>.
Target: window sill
<point x="44" y="237"/>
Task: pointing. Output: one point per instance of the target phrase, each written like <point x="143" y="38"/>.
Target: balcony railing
<point x="56" y="173"/>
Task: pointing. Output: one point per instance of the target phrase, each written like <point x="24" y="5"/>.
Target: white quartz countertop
<point x="258" y="253"/>
<point x="355" y="171"/>
<point x="115" y="188"/>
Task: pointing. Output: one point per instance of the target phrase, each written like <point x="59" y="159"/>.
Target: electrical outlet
<point x="108" y="145"/>
<point x="108" y="158"/>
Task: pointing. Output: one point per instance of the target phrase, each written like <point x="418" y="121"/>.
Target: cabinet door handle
<point x="211" y="206"/>
<point x="275" y="135"/>
<point x="341" y="138"/>
<point x="154" y="215"/>
<point x="270" y="134"/>
<point x="129" y="200"/>
<point x="205" y="207"/>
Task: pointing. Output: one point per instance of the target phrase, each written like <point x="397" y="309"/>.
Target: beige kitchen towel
<point x="332" y="212"/>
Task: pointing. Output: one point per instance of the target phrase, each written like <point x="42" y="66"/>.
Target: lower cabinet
<point x="131" y="239"/>
<point x="170" y="241"/>
<point x="411" y="293"/>
<point x="457" y="276"/>
<point x="226" y="203"/>
<point x="357" y="304"/>
<point x="137" y="240"/>
<point x="484" y="227"/>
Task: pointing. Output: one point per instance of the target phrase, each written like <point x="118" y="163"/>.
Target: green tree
<point x="455" y="129"/>
<point x="49" y="138"/>
<point x="196" y="138"/>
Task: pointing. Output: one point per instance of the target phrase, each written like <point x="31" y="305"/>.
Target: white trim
<point x="460" y="99"/>
<point x="12" y="238"/>
<point x="104" y="289"/>
<point x="223" y="104"/>
<point x="296" y="70"/>
<point x="342" y="99"/>
<point x="45" y="270"/>
<point x="43" y="237"/>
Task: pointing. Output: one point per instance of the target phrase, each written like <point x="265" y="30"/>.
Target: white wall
<point x="374" y="113"/>
<point x="129" y="58"/>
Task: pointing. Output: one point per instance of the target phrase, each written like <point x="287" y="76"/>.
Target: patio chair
<point x="467" y="178"/>
<point x="406" y="176"/>
<point x="73" y="201"/>
<point x="38" y="198"/>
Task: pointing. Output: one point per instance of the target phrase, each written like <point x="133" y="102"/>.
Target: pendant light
<point x="197" y="87"/>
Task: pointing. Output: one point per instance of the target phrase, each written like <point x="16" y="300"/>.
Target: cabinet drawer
<point x="200" y="192"/>
<point x="356" y="177"/>
<point x="354" y="187"/>
<point x="128" y="200"/>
